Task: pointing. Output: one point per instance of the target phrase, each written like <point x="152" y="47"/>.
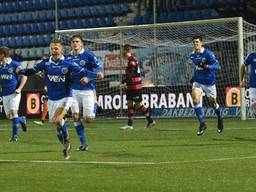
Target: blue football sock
<point x="60" y="137"/>
<point x="95" y="108"/>
<point x="80" y="132"/>
<point x="64" y="130"/>
<point x="15" y="122"/>
<point x="217" y="111"/>
<point x="199" y="114"/>
<point x="21" y="119"/>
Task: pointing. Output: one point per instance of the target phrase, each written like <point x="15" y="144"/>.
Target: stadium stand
<point x="27" y="24"/>
<point x="31" y="24"/>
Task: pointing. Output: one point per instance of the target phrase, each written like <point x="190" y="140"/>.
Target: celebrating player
<point x="134" y="87"/>
<point x="12" y="84"/>
<point x="250" y="60"/>
<point x="57" y="71"/>
<point x="203" y="80"/>
<point x="84" y="95"/>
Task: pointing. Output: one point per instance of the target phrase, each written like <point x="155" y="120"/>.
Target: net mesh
<point x="163" y="53"/>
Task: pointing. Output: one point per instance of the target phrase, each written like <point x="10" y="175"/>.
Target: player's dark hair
<point x="197" y="37"/>
<point x="78" y="37"/>
<point x="127" y="48"/>
<point x="5" y="51"/>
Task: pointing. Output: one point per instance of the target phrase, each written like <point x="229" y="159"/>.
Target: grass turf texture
<point x="169" y="157"/>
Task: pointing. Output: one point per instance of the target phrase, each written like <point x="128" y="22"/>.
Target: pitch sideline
<point x="124" y="163"/>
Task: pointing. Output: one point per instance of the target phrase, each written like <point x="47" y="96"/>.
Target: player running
<point x="203" y="80"/>
<point x="12" y="83"/>
<point x="250" y="60"/>
<point x="57" y="71"/>
<point x="83" y="94"/>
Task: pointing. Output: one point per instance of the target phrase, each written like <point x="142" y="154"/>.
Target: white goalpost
<point x="163" y="53"/>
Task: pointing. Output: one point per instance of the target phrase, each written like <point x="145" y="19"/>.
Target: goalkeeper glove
<point x="203" y="65"/>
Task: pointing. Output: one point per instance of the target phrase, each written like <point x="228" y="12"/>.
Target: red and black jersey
<point x="132" y="71"/>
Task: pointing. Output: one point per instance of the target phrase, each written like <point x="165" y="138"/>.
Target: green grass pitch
<point x="169" y="157"/>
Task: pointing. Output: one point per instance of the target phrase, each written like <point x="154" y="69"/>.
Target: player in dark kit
<point x="134" y="87"/>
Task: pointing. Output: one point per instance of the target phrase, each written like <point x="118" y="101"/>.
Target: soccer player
<point x="134" y="87"/>
<point x="203" y="80"/>
<point x="45" y="109"/>
<point x="84" y="95"/>
<point x="12" y="84"/>
<point x="57" y="71"/>
<point x="250" y="60"/>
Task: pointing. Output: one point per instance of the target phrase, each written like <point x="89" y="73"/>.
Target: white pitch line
<point x="125" y="162"/>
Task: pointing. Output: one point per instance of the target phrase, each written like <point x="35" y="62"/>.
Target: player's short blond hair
<point x="57" y="41"/>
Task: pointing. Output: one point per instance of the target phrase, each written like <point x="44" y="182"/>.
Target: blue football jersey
<point x="9" y="79"/>
<point x="87" y="60"/>
<point x="57" y="76"/>
<point x="204" y="76"/>
<point x="251" y="60"/>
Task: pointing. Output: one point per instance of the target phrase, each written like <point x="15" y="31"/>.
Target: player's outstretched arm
<point x="214" y="64"/>
<point x="31" y="71"/>
<point x="89" y="74"/>
<point x="96" y="63"/>
<point x="23" y="81"/>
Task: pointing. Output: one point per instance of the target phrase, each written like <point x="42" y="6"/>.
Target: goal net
<point x="163" y="53"/>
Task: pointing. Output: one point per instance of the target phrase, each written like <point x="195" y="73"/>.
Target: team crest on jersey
<point x="82" y="62"/>
<point x="64" y="70"/>
<point x="10" y="70"/>
<point x="203" y="60"/>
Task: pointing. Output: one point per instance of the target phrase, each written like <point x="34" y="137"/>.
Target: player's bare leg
<point x="62" y="130"/>
<point x="196" y="95"/>
<point x="146" y="112"/>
